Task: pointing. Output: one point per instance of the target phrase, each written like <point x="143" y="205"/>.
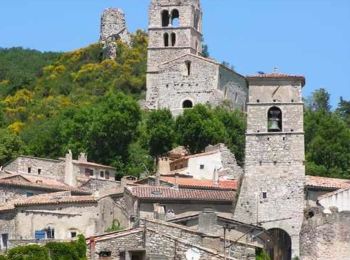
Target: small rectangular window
<point x="73" y="234"/>
<point x="201" y="166"/>
<point x="39" y="171"/>
<point x="50" y="233"/>
<point x="29" y="194"/>
<point x="107" y="175"/>
<point x="89" y="172"/>
<point x="102" y="174"/>
<point x="264" y="195"/>
<point x="29" y="169"/>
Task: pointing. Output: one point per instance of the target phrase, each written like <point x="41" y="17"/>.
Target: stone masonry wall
<point x="326" y="236"/>
<point x="113" y="27"/>
<point x="53" y="169"/>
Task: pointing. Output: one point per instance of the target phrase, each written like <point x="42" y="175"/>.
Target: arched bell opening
<point x="274" y="116"/>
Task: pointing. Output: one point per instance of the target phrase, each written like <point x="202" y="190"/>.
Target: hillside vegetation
<point x="52" y="102"/>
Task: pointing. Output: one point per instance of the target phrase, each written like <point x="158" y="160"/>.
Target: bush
<point x="30" y="252"/>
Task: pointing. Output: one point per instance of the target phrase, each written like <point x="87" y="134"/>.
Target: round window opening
<point x="187" y="104"/>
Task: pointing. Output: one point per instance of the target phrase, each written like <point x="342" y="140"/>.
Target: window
<point x="39" y="171"/>
<point x="264" y="195"/>
<point x="4" y="241"/>
<point x="165" y="18"/>
<point x="188" y="67"/>
<point x="106" y="254"/>
<point x="187" y="104"/>
<point x="73" y="234"/>
<point x="175" y="15"/>
<point x="201" y="166"/>
<point x="274" y="119"/>
<point x="173" y="39"/>
<point x="89" y="172"/>
<point x="196" y="20"/>
<point x="102" y="174"/>
<point x="29" y="194"/>
<point x="166" y="40"/>
<point x="29" y="169"/>
<point x="50" y="233"/>
<point x="107" y="175"/>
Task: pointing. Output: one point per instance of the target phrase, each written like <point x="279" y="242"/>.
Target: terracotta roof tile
<point x="47" y="199"/>
<point x="195" y="183"/>
<point x="324" y="182"/>
<point x="167" y="193"/>
<point x="277" y="76"/>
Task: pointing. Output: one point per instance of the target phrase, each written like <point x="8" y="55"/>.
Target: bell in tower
<point x="275" y="120"/>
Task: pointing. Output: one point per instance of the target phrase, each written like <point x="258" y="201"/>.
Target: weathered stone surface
<point x="113" y="28"/>
<point x="326" y="236"/>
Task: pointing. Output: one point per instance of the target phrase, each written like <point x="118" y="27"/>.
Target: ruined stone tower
<point x="178" y="77"/>
<point x="113" y="28"/>
<point x="272" y="191"/>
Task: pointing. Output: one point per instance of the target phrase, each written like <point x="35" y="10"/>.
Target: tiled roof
<point x="93" y="164"/>
<point x="206" y="184"/>
<point x="328" y="183"/>
<point x="21" y="180"/>
<point x="168" y="193"/>
<point x="277" y="76"/>
<point x="47" y="199"/>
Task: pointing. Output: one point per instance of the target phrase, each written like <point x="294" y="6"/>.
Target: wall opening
<point x="166" y="39"/>
<point x="187" y="104"/>
<point x="280" y="245"/>
<point x="274" y="119"/>
<point x="175" y="18"/>
<point x="165" y="18"/>
<point x="188" y="67"/>
<point x="173" y="39"/>
<point x="196" y="20"/>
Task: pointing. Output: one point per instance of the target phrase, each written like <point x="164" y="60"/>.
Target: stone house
<point x="159" y="240"/>
<point x="54" y="216"/>
<point x="215" y="163"/>
<point x="71" y="172"/>
<point x="159" y="202"/>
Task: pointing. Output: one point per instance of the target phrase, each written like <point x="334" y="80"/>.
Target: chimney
<point x="207" y="222"/>
<point x="82" y="157"/>
<point x="69" y="177"/>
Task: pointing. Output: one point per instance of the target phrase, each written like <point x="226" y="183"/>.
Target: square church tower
<point x="272" y="190"/>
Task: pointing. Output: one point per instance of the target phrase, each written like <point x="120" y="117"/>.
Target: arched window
<point x="166" y="39"/>
<point x="274" y="119"/>
<point x="175" y="18"/>
<point x="187" y="104"/>
<point x="188" y="67"/>
<point x="165" y="18"/>
<point x="173" y="39"/>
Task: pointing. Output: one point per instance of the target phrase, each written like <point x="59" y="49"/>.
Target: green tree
<point x="11" y="146"/>
<point x="30" y="252"/>
<point x="327" y="140"/>
<point x="199" y="127"/>
<point x="343" y="110"/>
<point x="319" y="100"/>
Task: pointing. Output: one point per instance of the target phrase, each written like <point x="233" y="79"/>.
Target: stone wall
<point x="8" y="193"/>
<point x="326" y="236"/>
<point x="47" y="168"/>
<point x="113" y="28"/>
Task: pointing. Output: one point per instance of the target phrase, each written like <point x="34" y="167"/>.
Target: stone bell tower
<point x="272" y="191"/>
<point x="175" y="29"/>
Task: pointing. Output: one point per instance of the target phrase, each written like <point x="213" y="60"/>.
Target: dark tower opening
<point x="166" y="39"/>
<point x="274" y="120"/>
<point x="173" y="39"/>
<point x="165" y="18"/>
<point x="175" y="18"/>
<point x="187" y="104"/>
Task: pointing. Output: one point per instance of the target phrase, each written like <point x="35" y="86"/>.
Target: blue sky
<point x="308" y="37"/>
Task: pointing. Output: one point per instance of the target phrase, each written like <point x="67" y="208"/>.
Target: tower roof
<point x="175" y="2"/>
<point x="276" y="76"/>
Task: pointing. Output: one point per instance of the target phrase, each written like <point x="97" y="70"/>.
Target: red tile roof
<point x="21" y="180"/>
<point x="328" y="183"/>
<point x="277" y="76"/>
<point x="168" y="193"/>
<point x="204" y="184"/>
<point x="47" y="199"/>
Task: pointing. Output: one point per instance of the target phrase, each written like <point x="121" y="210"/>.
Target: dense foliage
<point x="75" y="250"/>
<point x="52" y="102"/>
